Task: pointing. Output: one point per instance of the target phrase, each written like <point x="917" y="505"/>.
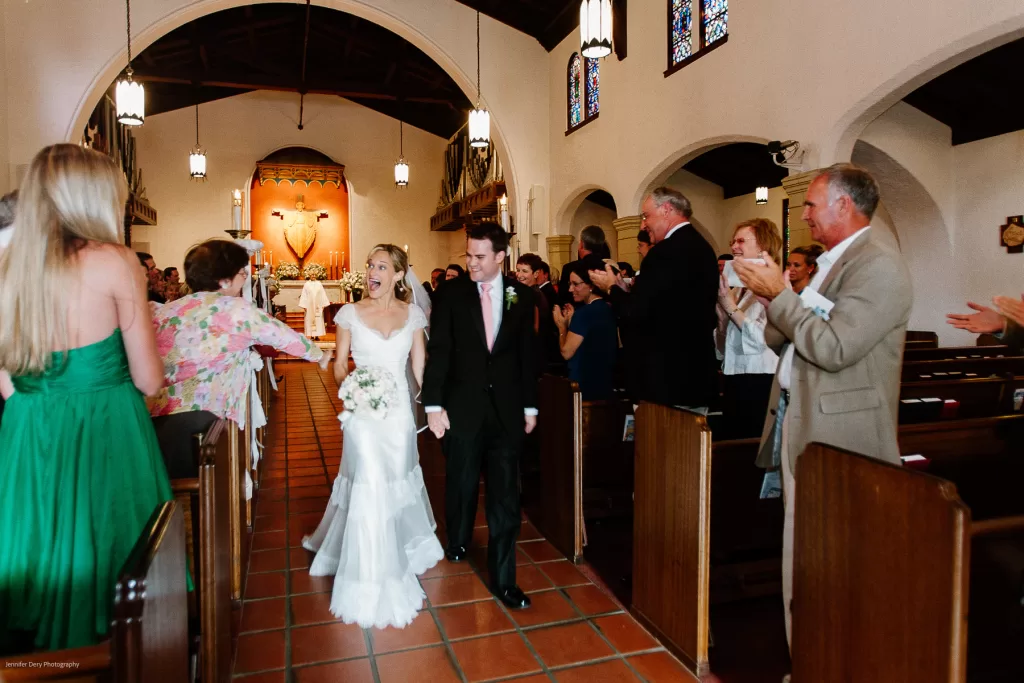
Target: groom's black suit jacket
<point x="462" y="375"/>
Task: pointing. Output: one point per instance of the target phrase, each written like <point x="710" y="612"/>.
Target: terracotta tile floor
<point x="575" y="631"/>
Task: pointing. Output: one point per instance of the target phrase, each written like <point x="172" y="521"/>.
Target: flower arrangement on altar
<point x="369" y="391"/>
<point x="353" y="281"/>
<point x="314" y="271"/>
<point x="286" y="270"/>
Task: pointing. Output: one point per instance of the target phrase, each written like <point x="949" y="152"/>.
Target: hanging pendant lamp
<point x="596" y="28"/>
<point x="401" y="167"/>
<point x="197" y="158"/>
<point x="130" y="95"/>
<point x="479" y="118"/>
<point x="761" y="195"/>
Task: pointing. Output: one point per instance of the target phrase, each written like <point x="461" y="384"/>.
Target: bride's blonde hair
<point x="70" y="195"/>
<point x="400" y="262"/>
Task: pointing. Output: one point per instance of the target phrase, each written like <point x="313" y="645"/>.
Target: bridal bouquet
<point x="370" y="391"/>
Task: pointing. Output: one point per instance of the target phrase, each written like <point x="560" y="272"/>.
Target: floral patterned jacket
<point x="205" y="340"/>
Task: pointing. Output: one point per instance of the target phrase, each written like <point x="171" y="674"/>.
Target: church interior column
<point x="796" y="187"/>
<point x="559" y="247"/>
<point x="626" y="229"/>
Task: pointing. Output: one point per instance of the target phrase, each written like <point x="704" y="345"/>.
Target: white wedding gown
<point x="378" y="532"/>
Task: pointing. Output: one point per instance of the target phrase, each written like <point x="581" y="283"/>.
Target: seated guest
<point x="722" y="260"/>
<point x="205" y="340"/>
<point x="453" y="271"/>
<point x="802" y="266"/>
<point x="748" y="364"/>
<point x="592" y="241"/>
<point x="587" y="334"/>
<point x="79" y="462"/>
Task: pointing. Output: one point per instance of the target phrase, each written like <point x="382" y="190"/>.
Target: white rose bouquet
<point x="352" y="280"/>
<point x="369" y="391"/>
<point x="287" y="271"/>
<point x="314" y="271"/>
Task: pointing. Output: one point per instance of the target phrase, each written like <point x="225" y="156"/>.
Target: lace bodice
<point x="372" y="349"/>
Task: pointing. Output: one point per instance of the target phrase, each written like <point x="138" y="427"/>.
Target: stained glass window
<point x="593" y="88"/>
<point x="715" y="18"/>
<point x="681" y="25"/>
<point x="574" y="85"/>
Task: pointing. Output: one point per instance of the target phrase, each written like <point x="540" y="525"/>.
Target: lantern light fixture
<point x="761" y="195"/>
<point x="130" y="96"/>
<point x="596" y="28"/>
<point x="197" y="157"/>
<point x="401" y="167"/>
<point x="479" y="118"/>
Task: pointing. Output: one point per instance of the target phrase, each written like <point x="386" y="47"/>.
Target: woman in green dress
<point x="80" y="468"/>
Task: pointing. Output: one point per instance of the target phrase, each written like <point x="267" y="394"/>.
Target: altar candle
<point x="236" y="210"/>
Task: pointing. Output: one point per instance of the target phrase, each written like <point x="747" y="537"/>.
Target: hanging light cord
<point x="128" y="10"/>
<point x="197" y="125"/>
<point x="478" y="57"/>
<point x="401" y="140"/>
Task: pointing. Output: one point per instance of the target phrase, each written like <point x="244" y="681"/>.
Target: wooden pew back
<point x="958" y="368"/>
<point x="977" y="397"/>
<point x="880" y="569"/>
<point x="560" y="503"/>
<point x="671" y="530"/>
<point x="149" y="632"/>
<point x="214" y="581"/>
<point x="955" y="352"/>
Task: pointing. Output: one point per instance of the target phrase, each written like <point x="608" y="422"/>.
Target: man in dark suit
<point x="528" y="269"/>
<point x="544" y="285"/>
<point x="480" y="395"/>
<point x="592" y="241"/>
<point x="669" y="314"/>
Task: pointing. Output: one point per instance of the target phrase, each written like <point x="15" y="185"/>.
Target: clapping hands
<point x="985" y="321"/>
<point x="766" y="282"/>
<point x="563" y="316"/>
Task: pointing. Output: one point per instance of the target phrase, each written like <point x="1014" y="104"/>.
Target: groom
<point x="480" y="394"/>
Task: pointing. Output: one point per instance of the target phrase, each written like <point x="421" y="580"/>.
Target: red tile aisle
<point x="574" y="632"/>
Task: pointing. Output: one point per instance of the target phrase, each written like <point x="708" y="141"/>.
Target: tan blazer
<point x="845" y="382"/>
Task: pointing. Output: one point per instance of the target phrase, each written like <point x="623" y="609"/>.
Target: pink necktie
<point x="485" y="305"/>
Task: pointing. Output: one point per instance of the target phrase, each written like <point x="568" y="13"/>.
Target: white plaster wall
<point x="990" y="184"/>
<point x="816" y="71"/>
<point x="590" y="213"/>
<point x="744" y="207"/>
<point x="5" y="174"/>
<point x="64" y="54"/>
<point x="239" y="131"/>
<point x="706" y="199"/>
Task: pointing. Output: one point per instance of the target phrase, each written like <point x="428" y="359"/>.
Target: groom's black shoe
<point x="456" y="553"/>
<point x="513" y="597"/>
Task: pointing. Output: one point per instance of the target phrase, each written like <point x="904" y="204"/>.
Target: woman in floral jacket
<point x="206" y="340"/>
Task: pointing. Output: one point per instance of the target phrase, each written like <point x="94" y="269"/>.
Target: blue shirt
<point x="593" y="364"/>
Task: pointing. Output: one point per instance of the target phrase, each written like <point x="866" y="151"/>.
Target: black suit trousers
<point x="492" y="449"/>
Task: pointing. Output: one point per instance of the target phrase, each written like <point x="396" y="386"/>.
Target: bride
<point x="377" y="534"/>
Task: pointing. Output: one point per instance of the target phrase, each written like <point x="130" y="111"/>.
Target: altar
<point x="292" y="289"/>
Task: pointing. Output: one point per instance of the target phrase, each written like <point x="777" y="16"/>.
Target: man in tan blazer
<point x="840" y="344"/>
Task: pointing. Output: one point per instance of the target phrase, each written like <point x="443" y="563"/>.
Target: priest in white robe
<point x="314" y="300"/>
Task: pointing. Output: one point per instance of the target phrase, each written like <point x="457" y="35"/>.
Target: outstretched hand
<point x="325" y="360"/>
<point x="766" y="282"/>
<point x="985" y="321"/>
<point x="1011" y="308"/>
<point x="530" y="423"/>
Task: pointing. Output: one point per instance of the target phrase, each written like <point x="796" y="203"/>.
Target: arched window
<point x="593" y="88"/>
<point x="712" y="30"/>
<point x="583" y="88"/>
<point x="575" y="86"/>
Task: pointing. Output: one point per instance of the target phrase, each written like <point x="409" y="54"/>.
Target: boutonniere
<point x="510" y="297"/>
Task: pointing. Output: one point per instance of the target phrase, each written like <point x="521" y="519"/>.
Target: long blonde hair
<point x="71" y="195"/>
<point x="400" y="262"/>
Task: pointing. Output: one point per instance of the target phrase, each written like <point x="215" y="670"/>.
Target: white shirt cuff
<point x="530" y="412"/>
<point x="432" y="409"/>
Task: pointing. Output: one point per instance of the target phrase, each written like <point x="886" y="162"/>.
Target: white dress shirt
<point x="5" y="236"/>
<point x="825" y="263"/>
<point x="497" y="295"/>
<point x="745" y="350"/>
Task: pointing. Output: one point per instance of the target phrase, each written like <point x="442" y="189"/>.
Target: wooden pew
<point x="894" y="580"/>
<point x="149" y="629"/>
<point x="956" y="368"/>
<point x="671" y="545"/>
<point x="917" y="339"/>
<point x="237" y="465"/>
<point x="880" y="568"/>
<point x="975" y="397"/>
<point x="955" y="352"/>
<point x="206" y="499"/>
<point x="586" y="470"/>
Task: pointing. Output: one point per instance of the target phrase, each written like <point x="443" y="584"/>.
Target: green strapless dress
<point x="80" y="474"/>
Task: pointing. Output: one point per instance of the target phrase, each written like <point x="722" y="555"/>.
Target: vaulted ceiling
<point x="738" y="168"/>
<point x="299" y="48"/>
<point x="316" y="50"/>
<point x="980" y="98"/>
